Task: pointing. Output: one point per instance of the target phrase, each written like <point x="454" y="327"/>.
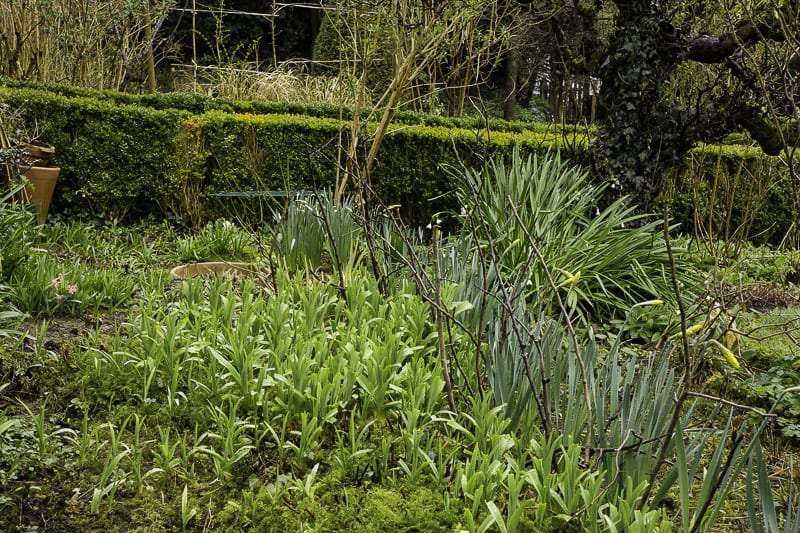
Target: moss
<point x="771" y="343"/>
<point x="772" y="137"/>
<point x="336" y="507"/>
<point x="415" y="509"/>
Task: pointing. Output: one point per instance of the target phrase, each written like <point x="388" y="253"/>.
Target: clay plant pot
<point x="39" y="154"/>
<point x="39" y="191"/>
<point x="205" y="269"/>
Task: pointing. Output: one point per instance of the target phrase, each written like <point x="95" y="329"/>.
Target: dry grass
<point x="761" y="296"/>
<point x="278" y="85"/>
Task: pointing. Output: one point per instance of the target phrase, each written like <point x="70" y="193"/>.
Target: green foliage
<point x="746" y="265"/>
<point x="300" y="238"/>
<point x="601" y="262"/>
<point x="220" y="240"/>
<point x="640" y="135"/>
<point x="127" y="155"/>
<point x="309" y="405"/>
<point x="48" y="287"/>
<point x="344" y="242"/>
<point x="197" y="103"/>
<point x="345" y="508"/>
<point x="770" y="335"/>
<point x="18" y="231"/>
<point x="42" y="288"/>
<point x="116" y="159"/>
<point x="94" y="279"/>
<point x="767" y="388"/>
<point x="771" y="352"/>
<point x="130" y="159"/>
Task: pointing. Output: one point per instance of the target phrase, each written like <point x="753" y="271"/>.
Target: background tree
<point x="105" y="45"/>
<point x="401" y="53"/>
<point x="650" y="112"/>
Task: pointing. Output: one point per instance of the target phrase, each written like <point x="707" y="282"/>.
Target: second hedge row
<point x="131" y="160"/>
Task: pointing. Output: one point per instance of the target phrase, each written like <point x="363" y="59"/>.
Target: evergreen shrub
<point x="125" y="155"/>
<point x="200" y="103"/>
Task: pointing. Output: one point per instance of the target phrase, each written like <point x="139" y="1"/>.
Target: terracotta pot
<point x="39" y="154"/>
<point x="39" y="191"/>
<point x="205" y="269"/>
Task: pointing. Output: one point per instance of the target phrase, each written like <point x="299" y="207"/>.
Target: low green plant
<point x="300" y="236"/>
<point x="82" y="439"/>
<point x="187" y="512"/>
<point x="139" y="449"/>
<point x="47" y="287"/>
<point x="220" y="240"/>
<point x="764" y="388"/>
<point x="50" y="286"/>
<point x="112" y="476"/>
<point x="229" y="443"/>
<point x="18" y="233"/>
<point x="312" y="405"/>
<point x="537" y="218"/>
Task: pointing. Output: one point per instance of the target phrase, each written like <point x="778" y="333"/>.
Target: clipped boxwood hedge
<point x="128" y="159"/>
<point x="130" y="156"/>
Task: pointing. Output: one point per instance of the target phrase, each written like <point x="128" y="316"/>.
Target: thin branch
<point x="755" y="410"/>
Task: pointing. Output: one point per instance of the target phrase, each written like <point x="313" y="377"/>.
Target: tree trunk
<point x="151" y="62"/>
<point x="512" y="71"/>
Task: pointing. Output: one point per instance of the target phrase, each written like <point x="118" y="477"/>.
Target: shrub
<point x="125" y="155"/>
<point x="601" y="261"/>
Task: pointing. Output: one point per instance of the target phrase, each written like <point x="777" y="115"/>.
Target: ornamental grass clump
<point x="539" y="219"/>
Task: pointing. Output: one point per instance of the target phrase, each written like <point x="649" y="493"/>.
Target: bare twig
<point x="755" y="410"/>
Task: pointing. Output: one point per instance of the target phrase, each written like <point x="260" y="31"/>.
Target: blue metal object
<point x="262" y="194"/>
